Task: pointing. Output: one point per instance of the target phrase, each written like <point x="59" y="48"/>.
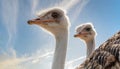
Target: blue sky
<point x="29" y="47"/>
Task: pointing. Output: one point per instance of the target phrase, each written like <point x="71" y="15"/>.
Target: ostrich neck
<point x="60" y="50"/>
<point x="90" y="46"/>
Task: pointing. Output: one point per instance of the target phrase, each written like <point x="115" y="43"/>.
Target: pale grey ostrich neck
<point x="90" y="46"/>
<point x="60" y="50"/>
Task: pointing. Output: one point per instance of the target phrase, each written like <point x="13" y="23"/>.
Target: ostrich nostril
<point x="37" y="19"/>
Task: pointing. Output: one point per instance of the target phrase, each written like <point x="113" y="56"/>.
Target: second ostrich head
<point x="85" y="32"/>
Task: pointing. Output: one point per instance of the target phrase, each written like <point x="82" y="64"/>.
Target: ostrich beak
<point x="39" y="21"/>
<point x="80" y="34"/>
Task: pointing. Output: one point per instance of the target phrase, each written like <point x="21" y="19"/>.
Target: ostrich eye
<point x="88" y="29"/>
<point x="55" y="15"/>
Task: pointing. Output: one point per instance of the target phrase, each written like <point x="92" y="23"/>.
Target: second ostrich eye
<point x="55" y="15"/>
<point x="88" y="29"/>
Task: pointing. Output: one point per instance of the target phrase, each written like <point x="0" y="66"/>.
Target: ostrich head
<point x="85" y="32"/>
<point x="53" y="20"/>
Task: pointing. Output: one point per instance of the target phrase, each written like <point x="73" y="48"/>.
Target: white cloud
<point x="9" y="13"/>
<point x="71" y="64"/>
<point x="13" y="62"/>
<point x="75" y="60"/>
<point x="34" y="6"/>
<point x="79" y="8"/>
<point x="67" y="4"/>
<point x="9" y="60"/>
<point x="37" y="59"/>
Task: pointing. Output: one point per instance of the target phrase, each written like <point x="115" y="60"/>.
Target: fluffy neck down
<point x="60" y="50"/>
<point x="90" y="46"/>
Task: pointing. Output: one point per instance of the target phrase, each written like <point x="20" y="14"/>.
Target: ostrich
<point x="107" y="56"/>
<point x="87" y="33"/>
<point x="55" y="21"/>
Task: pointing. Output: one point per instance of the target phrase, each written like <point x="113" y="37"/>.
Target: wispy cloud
<point x="71" y="64"/>
<point x="9" y="9"/>
<point x="79" y="8"/>
<point x="34" y="6"/>
<point x="8" y="61"/>
<point x="9" y="14"/>
<point x="68" y="4"/>
<point x="14" y="62"/>
<point x="37" y="59"/>
<point x="11" y="63"/>
<point x="75" y="60"/>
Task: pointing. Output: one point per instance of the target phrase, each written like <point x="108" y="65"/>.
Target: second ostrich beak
<point x="80" y="34"/>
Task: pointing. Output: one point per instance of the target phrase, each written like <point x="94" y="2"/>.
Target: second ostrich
<point x="87" y="33"/>
<point x="56" y="22"/>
